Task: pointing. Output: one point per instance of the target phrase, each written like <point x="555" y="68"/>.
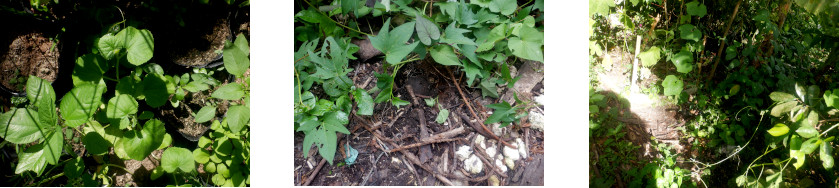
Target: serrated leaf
<point x="392" y="43"/>
<point x="696" y="9"/>
<point x="53" y="146"/>
<point x="205" y="114"/>
<point x="231" y="91"/>
<point x="672" y="85"/>
<point x="426" y="30"/>
<point x="683" y="61"/>
<point x="238" y="118"/>
<point x="33" y="159"/>
<point x="38" y="90"/>
<point x="690" y="32"/>
<point x="779" y="130"/>
<point x="444" y="55"/>
<point x="529" y="46"/>
<point x="650" y="57"/>
<point x="175" y="159"/>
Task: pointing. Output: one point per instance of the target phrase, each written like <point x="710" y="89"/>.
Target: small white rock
<point x="522" y="148"/>
<point x="473" y="164"/>
<point x="463" y="152"/>
<point x="537" y="121"/>
<point x="511" y="153"/>
<point x="539" y="99"/>
<point x="497" y="130"/>
<point x="510" y="163"/>
<point x="491" y="150"/>
<point x="479" y="140"/>
<point x="500" y="165"/>
<point x="493" y="181"/>
<point x="395" y="160"/>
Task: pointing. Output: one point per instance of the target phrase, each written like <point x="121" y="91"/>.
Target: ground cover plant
<point x="471" y="67"/>
<point x="110" y="123"/>
<point x="712" y="93"/>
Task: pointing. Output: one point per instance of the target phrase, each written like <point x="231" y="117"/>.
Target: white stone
<point x="491" y="151"/>
<point x="537" y="121"/>
<point x="463" y="152"/>
<point x="473" y="164"/>
<point x="539" y="99"/>
<point x="395" y="160"/>
<point x="511" y="153"/>
<point x="510" y="163"/>
<point x="493" y="181"/>
<point x="497" y="130"/>
<point x="500" y="165"/>
<point x="522" y="148"/>
<point x="479" y="140"/>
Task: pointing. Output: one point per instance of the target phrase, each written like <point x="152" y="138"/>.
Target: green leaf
<point x="529" y="46"/>
<point x="430" y="101"/>
<point x="488" y="88"/>
<point x="831" y="99"/>
<point x="74" y="168"/>
<point x="175" y="159"/>
<point x="690" y="32"/>
<point x="33" y="159"/>
<point x="496" y="34"/>
<point x="238" y="117"/>
<point x="464" y="14"/>
<point x="120" y="106"/>
<point x="95" y="143"/>
<point x="444" y="55"/>
<point x="672" y="85"/>
<point x="109" y="45"/>
<point x="600" y="7"/>
<point x="139" y="44"/>
<point x="502" y="110"/>
<point x="53" y="146"/>
<point x="200" y="155"/>
<point x="89" y="69"/>
<point x="442" y="116"/>
<point x="80" y="103"/>
<point x="826" y="155"/>
<point x="781" y="96"/>
<point x="231" y="91"/>
<point x="782" y="108"/>
<point x="454" y="35"/>
<point x="348" y="6"/>
<point x="392" y="44"/>
<point x="364" y="102"/>
<point x="650" y="57"/>
<point x="205" y="114"/>
<point x="235" y="57"/>
<point x="38" y="89"/>
<point x="779" y="130"/>
<point x="683" y="61"/>
<point x="140" y="143"/>
<point x="21" y="126"/>
<point x="426" y="30"/>
<point x="505" y="7"/>
<point x="810" y="145"/>
<point x="157" y="90"/>
<point x="696" y="9"/>
<point x="330" y="143"/>
<point x="196" y="86"/>
<point x="335" y="121"/>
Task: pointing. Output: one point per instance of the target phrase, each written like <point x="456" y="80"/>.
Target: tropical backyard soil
<point x="402" y="126"/>
<point x="29" y="52"/>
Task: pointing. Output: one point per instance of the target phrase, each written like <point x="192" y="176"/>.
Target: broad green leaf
<point x="392" y="43"/>
<point x="33" y="159"/>
<point x="734" y="89"/>
<point x="801" y="91"/>
<point x="335" y="121"/>
<point x="348" y="6"/>
<point x="231" y="91"/>
<point x="80" y="104"/>
<point x="690" y="32"/>
<point x="810" y="145"/>
<point x="200" y="155"/>
<point x="481" y="3"/>
<point x="238" y="118"/>
<point x="74" y="168"/>
<point x="89" y="69"/>
<point x="175" y="159"/>
<point x="22" y="126"/>
<point x="488" y="88"/>
<point x="488" y="42"/>
<point x="600" y="7"/>
<point x="501" y="110"/>
<point x="795" y="151"/>
<point x="109" y="45"/>
<point x="672" y="85"/>
<point x="464" y="14"/>
<point x="38" y="89"/>
<point x="140" y="143"/>
<point x="205" y="114"/>
<point x="444" y="55"/>
<point x="95" y="143"/>
<point x="138" y="43"/>
<point x="696" y="9"/>
<point x="782" y="108"/>
<point x="196" y="86"/>
<point x="120" y="106"/>
<point x="53" y="146"/>
<point x="235" y="57"/>
<point x="157" y="89"/>
<point x="330" y="143"/>
<point x="779" y="130"/>
<point x="364" y="102"/>
<point x="781" y="96"/>
<point x="454" y="35"/>
<point x="529" y="46"/>
<point x="442" y="116"/>
<point x="683" y="61"/>
<point x="811" y="121"/>
<point x="426" y="30"/>
<point x="650" y="57"/>
<point x="826" y="155"/>
<point x="505" y="7"/>
<point x="831" y="99"/>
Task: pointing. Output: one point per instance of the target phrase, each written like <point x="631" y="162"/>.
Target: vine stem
<point x="336" y="22"/>
<point x="828" y="130"/>
<point x="50" y="179"/>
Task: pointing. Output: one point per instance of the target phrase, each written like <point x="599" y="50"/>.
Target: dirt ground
<point x="24" y="54"/>
<point x="402" y="126"/>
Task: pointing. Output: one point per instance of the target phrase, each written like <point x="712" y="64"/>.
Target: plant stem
<point x="336" y="22"/>
<point x="49" y="179"/>
<point x="828" y="130"/>
<point x="522" y="5"/>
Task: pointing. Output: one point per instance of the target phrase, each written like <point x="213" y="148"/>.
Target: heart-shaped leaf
<point x="683" y="61"/>
<point x="672" y="85"/>
<point x="426" y="30"/>
<point x="443" y="54"/>
<point x="690" y="32"/>
<point x="175" y="159"/>
<point x="696" y="9"/>
<point x="140" y="143"/>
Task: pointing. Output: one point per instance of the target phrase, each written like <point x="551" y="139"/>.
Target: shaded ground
<point x="401" y="125"/>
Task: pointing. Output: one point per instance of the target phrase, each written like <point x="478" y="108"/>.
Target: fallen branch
<point x="481" y="153"/>
<point x="722" y="46"/>
<point x="425" y="151"/>
<point x="418" y="144"/>
<point x="457" y="85"/>
<point x="315" y="172"/>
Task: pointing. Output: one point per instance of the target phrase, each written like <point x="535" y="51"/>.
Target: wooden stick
<point x="315" y="172"/>
<point x="418" y="144"/>
<point x="722" y="46"/>
<point x="457" y="85"/>
<point x="442" y="137"/>
<point x="481" y="153"/>
<point x="425" y="151"/>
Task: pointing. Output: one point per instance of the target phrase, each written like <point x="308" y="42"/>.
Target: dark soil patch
<point x="24" y="54"/>
<point x="181" y="117"/>
<point x="201" y="43"/>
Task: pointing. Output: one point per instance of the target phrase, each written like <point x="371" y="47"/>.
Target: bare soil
<point x="27" y="54"/>
<point x="200" y="43"/>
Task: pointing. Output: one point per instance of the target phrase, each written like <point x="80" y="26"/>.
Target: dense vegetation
<point x="112" y="111"/>
<point x="753" y="78"/>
